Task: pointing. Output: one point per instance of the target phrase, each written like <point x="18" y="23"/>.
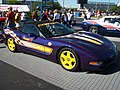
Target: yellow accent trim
<point x="88" y="39"/>
<point x="26" y="39"/>
<point x="46" y="24"/>
<point x="37" y="47"/>
<point x="93" y="38"/>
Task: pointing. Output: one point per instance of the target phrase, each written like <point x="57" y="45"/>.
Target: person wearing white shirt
<point x="56" y="16"/>
<point x="70" y="17"/>
<point x="23" y="16"/>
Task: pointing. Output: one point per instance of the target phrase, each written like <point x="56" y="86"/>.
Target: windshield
<point x="54" y="29"/>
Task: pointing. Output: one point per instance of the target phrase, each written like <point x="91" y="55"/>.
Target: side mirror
<point x="33" y="35"/>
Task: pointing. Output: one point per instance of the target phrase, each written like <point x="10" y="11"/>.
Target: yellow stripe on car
<point x="37" y="47"/>
<point x="92" y="38"/>
<point x="46" y="24"/>
<point x="88" y="39"/>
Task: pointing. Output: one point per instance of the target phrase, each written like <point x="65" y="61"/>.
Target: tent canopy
<point x="20" y="8"/>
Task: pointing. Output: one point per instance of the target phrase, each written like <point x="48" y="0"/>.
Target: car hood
<point x="96" y="44"/>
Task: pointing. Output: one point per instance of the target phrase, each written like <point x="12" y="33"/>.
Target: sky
<point x="73" y="3"/>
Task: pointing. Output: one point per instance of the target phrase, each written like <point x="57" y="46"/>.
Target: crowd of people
<point x="14" y="17"/>
<point x="64" y="17"/>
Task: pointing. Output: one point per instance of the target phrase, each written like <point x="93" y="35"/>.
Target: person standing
<point x="56" y="16"/>
<point x="88" y="14"/>
<point x="70" y="17"/>
<point x="23" y="16"/>
<point x="46" y="15"/>
<point x="35" y="16"/>
<point x="98" y="13"/>
<point x="64" y="18"/>
<point x="10" y="18"/>
<point x="17" y="19"/>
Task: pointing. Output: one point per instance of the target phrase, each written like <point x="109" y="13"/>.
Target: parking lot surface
<point x="109" y="79"/>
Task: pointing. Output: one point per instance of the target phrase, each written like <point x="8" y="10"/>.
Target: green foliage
<point x="35" y="4"/>
<point x="48" y="4"/>
<point x="12" y="2"/>
<point x="57" y="6"/>
<point x="29" y="15"/>
<point x="115" y="9"/>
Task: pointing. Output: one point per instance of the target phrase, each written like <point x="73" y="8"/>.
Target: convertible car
<point x="57" y="43"/>
<point x="108" y="25"/>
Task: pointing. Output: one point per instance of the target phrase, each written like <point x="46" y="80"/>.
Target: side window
<point x="108" y="20"/>
<point x="44" y="30"/>
<point x="30" y="29"/>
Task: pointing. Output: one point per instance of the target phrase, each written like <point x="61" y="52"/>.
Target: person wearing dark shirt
<point x="35" y="16"/>
<point x="46" y="15"/>
<point x="10" y="18"/>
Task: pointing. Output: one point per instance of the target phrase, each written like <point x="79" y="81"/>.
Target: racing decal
<point x="92" y="22"/>
<point x="27" y="39"/>
<point x="47" y="23"/>
<point x="87" y="38"/>
<point x="28" y="44"/>
<point x="49" y="43"/>
<point x="109" y="26"/>
<point x="90" y="37"/>
<point x="37" y="47"/>
<point x="12" y="34"/>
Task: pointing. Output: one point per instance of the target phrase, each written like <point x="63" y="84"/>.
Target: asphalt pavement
<point x="46" y="75"/>
<point x="12" y="78"/>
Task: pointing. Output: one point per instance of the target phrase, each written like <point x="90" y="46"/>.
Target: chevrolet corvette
<point x="108" y="25"/>
<point x="60" y="44"/>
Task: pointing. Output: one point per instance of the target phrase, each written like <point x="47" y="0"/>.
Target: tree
<point x="115" y="9"/>
<point x="12" y="2"/>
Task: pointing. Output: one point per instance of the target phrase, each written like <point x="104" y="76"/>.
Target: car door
<point x="32" y="39"/>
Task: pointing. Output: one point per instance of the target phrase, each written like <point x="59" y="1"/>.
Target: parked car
<point x="108" y="25"/>
<point x="60" y="44"/>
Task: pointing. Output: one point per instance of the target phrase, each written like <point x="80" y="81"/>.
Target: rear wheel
<point x="93" y="29"/>
<point x="69" y="59"/>
<point x="11" y="44"/>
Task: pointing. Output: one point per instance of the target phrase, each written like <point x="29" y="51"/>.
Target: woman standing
<point x="17" y="19"/>
<point x="64" y="18"/>
<point x="56" y="17"/>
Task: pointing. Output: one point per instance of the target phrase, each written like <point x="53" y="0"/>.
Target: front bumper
<point x="105" y="63"/>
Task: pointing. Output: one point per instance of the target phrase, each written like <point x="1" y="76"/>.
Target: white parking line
<point x="116" y="39"/>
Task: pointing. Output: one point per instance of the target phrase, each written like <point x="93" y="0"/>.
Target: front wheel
<point x="93" y="29"/>
<point x="69" y="59"/>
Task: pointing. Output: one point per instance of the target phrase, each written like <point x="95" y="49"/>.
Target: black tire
<point x="11" y="44"/>
<point x="93" y="29"/>
<point x="69" y="59"/>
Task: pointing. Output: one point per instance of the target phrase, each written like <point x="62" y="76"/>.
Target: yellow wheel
<point x="11" y="44"/>
<point x="68" y="59"/>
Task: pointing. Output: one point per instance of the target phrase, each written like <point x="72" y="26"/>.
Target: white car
<point x="108" y="25"/>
